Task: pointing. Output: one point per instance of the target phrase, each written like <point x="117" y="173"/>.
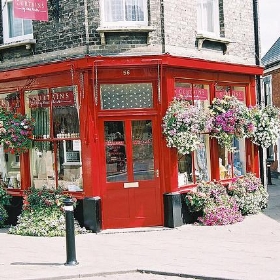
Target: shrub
<point x="43" y="214"/>
<point x="4" y="200"/>
<point x="217" y="207"/>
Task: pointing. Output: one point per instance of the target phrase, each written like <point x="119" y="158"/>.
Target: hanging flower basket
<point x="231" y="119"/>
<point x="182" y="125"/>
<point x="267" y="125"/>
<point x="15" y="132"/>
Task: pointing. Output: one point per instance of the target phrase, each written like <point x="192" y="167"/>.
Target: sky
<point x="269" y="16"/>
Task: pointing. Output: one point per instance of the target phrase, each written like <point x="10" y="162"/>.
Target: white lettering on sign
<point x="58" y="99"/>
<point x="186" y="93"/>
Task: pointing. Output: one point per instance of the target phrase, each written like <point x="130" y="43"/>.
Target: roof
<point x="272" y="56"/>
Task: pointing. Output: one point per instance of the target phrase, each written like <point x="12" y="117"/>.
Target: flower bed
<point x="222" y="205"/>
<point x="4" y="200"/>
<point x="43" y="214"/>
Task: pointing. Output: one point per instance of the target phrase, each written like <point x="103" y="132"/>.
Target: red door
<point x="130" y="181"/>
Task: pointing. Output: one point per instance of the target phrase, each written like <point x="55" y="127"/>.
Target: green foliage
<point x="4" y="200"/>
<point x="43" y="214"/>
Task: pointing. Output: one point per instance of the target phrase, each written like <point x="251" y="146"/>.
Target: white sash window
<point x="15" y="29"/>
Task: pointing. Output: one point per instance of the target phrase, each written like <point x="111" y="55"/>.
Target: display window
<point x="194" y="167"/>
<point x="55" y="158"/>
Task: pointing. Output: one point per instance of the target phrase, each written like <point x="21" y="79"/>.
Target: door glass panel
<point x="142" y="145"/>
<point x="115" y="148"/>
<point x="126" y="96"/>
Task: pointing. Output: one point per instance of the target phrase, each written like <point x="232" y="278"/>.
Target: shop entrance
<point x="131" y="187"/>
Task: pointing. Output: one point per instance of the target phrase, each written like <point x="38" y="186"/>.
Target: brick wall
<point x="66" y="37"/>
<point x="276" y="88"/>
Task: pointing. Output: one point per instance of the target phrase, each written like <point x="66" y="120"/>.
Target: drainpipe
<point x="162" y="26"/>
<point x="86" y="26"/>
<point x="258" y="82"/>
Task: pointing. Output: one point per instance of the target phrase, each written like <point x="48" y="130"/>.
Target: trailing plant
<point x="231" y="119"/>
<point x="15" y="131"/>
<point x="249" y="193"/>
<point x="43" y="214"/>
<point x="182" y="125"/>
<point x="267" y="125"/>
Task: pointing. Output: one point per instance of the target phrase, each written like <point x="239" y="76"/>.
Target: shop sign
<point x="58" y="99"/>
<point x="186" y="93"/>
<point x="239" y="94"/>
<point x="31" y="9"/>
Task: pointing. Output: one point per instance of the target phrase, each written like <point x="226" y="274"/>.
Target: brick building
<point x="98" y="77"/>
<point x="271" y="88"/>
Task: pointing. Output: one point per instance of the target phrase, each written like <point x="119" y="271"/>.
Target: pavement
<point x="246" y="250"/>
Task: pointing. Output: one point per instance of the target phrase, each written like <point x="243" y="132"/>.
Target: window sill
<point x="206" y="37"/>
<point x="112" y="29"/>
<point x="27" y="43"/>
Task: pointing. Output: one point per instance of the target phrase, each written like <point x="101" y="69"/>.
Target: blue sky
<point x="269" y="15"/>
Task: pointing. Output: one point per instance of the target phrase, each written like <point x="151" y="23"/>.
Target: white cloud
<point x="269" y="13"/>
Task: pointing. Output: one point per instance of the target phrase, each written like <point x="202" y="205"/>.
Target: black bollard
<point x="70" y="232"/>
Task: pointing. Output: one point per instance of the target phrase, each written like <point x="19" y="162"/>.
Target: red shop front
<point x="98" y="134"/>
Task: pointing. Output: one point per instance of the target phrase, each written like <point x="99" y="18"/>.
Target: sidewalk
<point x="246" y="250"/>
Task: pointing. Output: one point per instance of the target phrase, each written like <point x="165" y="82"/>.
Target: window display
<point x="56" y="153"/>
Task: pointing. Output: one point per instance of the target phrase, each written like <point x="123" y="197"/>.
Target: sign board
<point x="186" y="93"/>
<point x="31" y="9"/>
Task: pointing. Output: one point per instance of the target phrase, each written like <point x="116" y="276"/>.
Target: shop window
<point x="124" y="12"/>
<point x="56" y="153"/>
<point x="194" y="167"/>
<point x="208" y="21"/>
<point x="15" y="29"/>
<point x="126" y="96"/>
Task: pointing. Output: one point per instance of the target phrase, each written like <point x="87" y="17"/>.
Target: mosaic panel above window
<point x="126" y="96"/>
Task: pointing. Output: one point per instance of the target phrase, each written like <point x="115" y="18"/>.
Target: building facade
<point x="97" y="79"/>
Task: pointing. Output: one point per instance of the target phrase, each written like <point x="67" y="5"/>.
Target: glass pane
<point x="239" y="157"/>
<point x="42" y="166"/>
<point x="239" y="93"/>
<point x="225" y="163"/>
<point x="185" y="170"/>
<point x="115" y="148"/>
<point x="10" y="101"/>
<point x="113" y="10"/>
<point x="9" y="169"/>
<point x="37" y="106"/>
<point x="134" y="10"/>
<point x="184" y="91"/>
<point x="202" y="160"/>
<point x="220" y="91"/>
<point x="143" y="154"/>
<point x="126" y="96"/>
<point x="65" y="113"/>
<point x="69" y="165"/>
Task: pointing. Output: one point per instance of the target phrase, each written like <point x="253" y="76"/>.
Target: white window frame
<point x="123" y="23"/>
<point x="203" y="15"/>
<point x="6" y="37"/>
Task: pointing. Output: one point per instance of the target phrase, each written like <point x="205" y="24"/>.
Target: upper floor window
<point x="15" y="29"/>
<point x="208" y="17"/>
<point x="124" y="12"/>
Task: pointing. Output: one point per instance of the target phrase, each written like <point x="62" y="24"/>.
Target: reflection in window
<point x="115" y="148"/>
<point x="195" y="167"/>
<point x="143" y="155"/>
<point x="126" y="96"/>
